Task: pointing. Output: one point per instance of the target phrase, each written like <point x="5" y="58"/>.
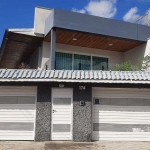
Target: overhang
<point x="96" y="25"/>
<point x="18" y="46"/>
<point x="75" y="76"/>
<point x="96" y="41"/>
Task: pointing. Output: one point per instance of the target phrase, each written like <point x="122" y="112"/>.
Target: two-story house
<point x="72" y="90"/>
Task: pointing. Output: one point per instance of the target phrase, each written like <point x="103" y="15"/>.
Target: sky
<point x="20" y="13"/>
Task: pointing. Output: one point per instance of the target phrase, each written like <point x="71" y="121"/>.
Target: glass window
<point x="66" y="61"/>
<point x="99" y="63"/>
<point x="63" y="61"/>
<point x="82" y="62"/>
<point x="96" y="101"/>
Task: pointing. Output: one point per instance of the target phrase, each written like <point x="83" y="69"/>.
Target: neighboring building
<point x="72" y="90"/>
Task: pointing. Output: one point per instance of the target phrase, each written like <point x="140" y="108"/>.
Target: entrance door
<point x="61" y="114"/>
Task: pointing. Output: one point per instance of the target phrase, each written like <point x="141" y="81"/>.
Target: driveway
<point x="74" y="146"/>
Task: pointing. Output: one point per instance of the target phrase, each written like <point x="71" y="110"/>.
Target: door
<point x="121" y="114"/>
<point x="17" y="112"/>
<point x="62" y="114"/>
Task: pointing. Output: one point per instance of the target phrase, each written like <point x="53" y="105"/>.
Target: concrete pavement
<point x="8" y="145"/>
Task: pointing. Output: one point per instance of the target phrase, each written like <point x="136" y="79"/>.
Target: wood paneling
<point x="19" y="48"/>
<point x="93" y="41"/>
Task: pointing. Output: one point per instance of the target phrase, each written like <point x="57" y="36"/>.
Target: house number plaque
<point x="82" y="87"/>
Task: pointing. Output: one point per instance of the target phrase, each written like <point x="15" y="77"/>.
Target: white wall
<point x="147" y="50"/>
<point x="41" y="15"/>
<point x="135" y="54"/>
<point x="45" y="54"/>
<point x="113" y="56"/>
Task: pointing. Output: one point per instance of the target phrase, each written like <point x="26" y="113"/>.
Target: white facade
<point x="42" y="22"/>
<point x="40" y="17"/>
<point x="114" y="57"/>
<point x="138" y="52"/>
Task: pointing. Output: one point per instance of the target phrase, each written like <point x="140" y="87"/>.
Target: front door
<point x="61" y="114"/>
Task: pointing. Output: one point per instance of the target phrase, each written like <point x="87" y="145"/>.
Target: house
<point x="72" y="90"/>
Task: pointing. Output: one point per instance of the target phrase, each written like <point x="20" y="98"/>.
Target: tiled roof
<point x="75" y="76"/>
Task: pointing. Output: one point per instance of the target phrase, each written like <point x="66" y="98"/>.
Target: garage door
<point x="17" y="113"/>
<point x="121" y="114"/>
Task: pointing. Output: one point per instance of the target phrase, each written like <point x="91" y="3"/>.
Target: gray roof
<point x="10" y="75"/>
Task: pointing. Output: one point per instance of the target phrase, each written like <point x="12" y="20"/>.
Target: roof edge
<point x="3" y="43"/>
<point x="26" y="31"/>
<point x="75" y="76"/>
<point x="44" y="7"/>
<point x="76" y="81"/>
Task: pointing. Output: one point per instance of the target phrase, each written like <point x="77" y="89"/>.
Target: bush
<point x="143" y="64"/>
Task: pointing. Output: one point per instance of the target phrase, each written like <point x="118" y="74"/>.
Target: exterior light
<point x="110" y="44"/>
<point x="74" y="39"/>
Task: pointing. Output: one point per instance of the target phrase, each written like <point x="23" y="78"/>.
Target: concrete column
<point x="39" y="57"/>
<point x="82" y="115"/>
<point x="43" y="113"/>
<point x="53" y="47"/>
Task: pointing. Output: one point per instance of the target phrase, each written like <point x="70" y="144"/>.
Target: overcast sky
<point x="20" y="13"/>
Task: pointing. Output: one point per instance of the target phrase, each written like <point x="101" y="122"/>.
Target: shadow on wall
<point x="135" y="54"/>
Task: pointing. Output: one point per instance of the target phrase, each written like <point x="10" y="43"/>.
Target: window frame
<point x="80" y="53"/>
<point x="65" y="53"/>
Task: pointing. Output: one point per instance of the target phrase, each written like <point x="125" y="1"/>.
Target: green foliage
<point x="126" y="66"/>
<point x="143" y="64"/>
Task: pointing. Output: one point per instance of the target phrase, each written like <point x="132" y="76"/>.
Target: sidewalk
<point x="74" y="146"/>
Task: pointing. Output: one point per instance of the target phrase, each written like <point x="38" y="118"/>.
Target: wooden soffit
<point x="93" y="41"/>
<point x="17" y="48"/>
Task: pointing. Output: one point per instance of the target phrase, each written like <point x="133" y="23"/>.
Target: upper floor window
<point x="99" y="63"/>
<point x="63" y="61"/>
<point x="66" y="61"/>
<point x="81" y="62"/>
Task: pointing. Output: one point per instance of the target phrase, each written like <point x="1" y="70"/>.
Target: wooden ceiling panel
<point x="18" y="48"/>
<point x="93" y="41"/>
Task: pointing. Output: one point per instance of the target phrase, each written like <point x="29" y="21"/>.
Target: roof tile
<point x="75" y="75"/>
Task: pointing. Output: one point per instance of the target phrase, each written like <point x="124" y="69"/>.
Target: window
<point x="63" y="61"/>
<point x="82" y="62"/>
<point x="66" y="61"/>
<point x="96" y="101"/>
<point x="99" y="63"/>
